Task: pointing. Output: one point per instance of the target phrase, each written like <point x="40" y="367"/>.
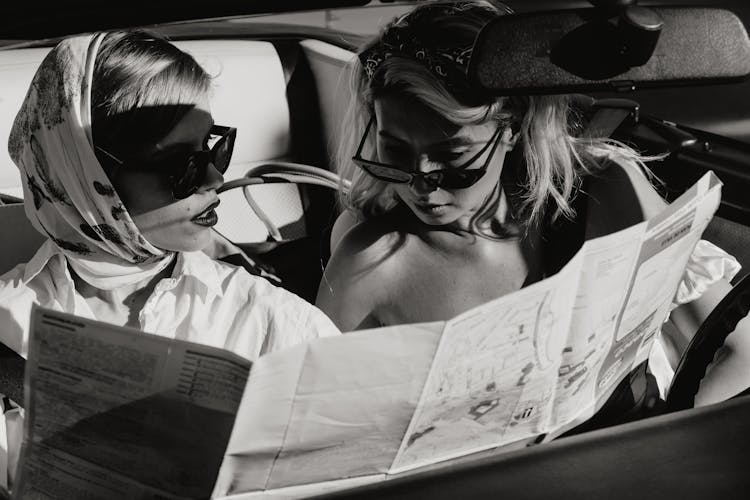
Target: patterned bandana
<point x="67" y="195"/>
<point x="417" y="36"/>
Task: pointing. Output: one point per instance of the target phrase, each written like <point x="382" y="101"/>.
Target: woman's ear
<point x="514" y="138"/>
<point x="509" y="138"/>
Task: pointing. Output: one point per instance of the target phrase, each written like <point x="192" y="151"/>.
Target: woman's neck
<point x="121" y="305"/>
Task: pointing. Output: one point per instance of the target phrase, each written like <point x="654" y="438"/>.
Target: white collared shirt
<point x="205" y="301"/>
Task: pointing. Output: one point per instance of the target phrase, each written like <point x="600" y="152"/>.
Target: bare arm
<point x="344" y="222"/>
<point x="355" y="281"/>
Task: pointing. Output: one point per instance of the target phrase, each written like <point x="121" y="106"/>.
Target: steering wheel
<point x="707" y="340"/>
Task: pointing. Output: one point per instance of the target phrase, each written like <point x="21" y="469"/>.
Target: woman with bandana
<point x="120" y="160"/>
<point x="459" y="197"/>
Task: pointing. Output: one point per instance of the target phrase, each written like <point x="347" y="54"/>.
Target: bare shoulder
<point x="369" y="251"/>
<point x="353" y="287"/>
<point x="374" y="235"/>
<point x="620" y="195"/>
<point x="344" y="222"/>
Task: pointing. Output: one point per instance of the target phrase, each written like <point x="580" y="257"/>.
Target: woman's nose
<point x="420" y="185"/>
<point x="424" y="165"/>
<point x="213" y="180"/>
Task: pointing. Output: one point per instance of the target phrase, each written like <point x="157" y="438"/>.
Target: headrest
<point x="17" y="67"/>
<point x="249" y="93"/>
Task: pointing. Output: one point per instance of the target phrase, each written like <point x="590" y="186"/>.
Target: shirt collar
<point x="200" y="267"/>
<point x="190" y="265"/>
<point x="41" y="258"/>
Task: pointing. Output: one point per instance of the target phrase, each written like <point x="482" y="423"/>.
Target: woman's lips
<point x="207" y="217"/>
<point x="432" y="208"/>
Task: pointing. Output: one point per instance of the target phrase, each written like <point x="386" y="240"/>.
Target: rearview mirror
<point x="582" y="51"/>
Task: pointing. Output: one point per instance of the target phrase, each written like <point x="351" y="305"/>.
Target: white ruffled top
<point x="707" y="265"/>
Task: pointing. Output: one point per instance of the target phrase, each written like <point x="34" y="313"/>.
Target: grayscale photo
<point x="374" y="249"/>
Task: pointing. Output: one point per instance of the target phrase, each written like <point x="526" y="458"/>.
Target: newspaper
<point x="115" y="413"/>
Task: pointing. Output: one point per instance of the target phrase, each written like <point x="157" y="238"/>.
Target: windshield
<point x="365" y="20"/>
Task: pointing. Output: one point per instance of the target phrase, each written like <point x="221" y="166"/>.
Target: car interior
<point x="284" y="89"/>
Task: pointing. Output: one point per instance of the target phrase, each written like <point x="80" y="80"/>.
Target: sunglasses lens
<point x="460" y="179"/>
<point x="222" y="153"/>
<point x="188" y="182"/>
<point x="386" y="174"/>
<point x="221" y="157"/>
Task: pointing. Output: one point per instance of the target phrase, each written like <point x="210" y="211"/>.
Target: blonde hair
<point x="556" y="158"/>
<point x="143" y="86"/>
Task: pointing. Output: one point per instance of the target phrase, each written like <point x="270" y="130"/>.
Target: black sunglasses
<point x="452" y="178"/>
<point x="187" y="170"/>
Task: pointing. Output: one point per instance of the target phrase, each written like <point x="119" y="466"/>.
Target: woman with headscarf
<point x="120" y="160"/>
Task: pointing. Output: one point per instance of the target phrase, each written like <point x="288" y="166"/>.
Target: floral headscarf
<point x="67" y="195"/>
